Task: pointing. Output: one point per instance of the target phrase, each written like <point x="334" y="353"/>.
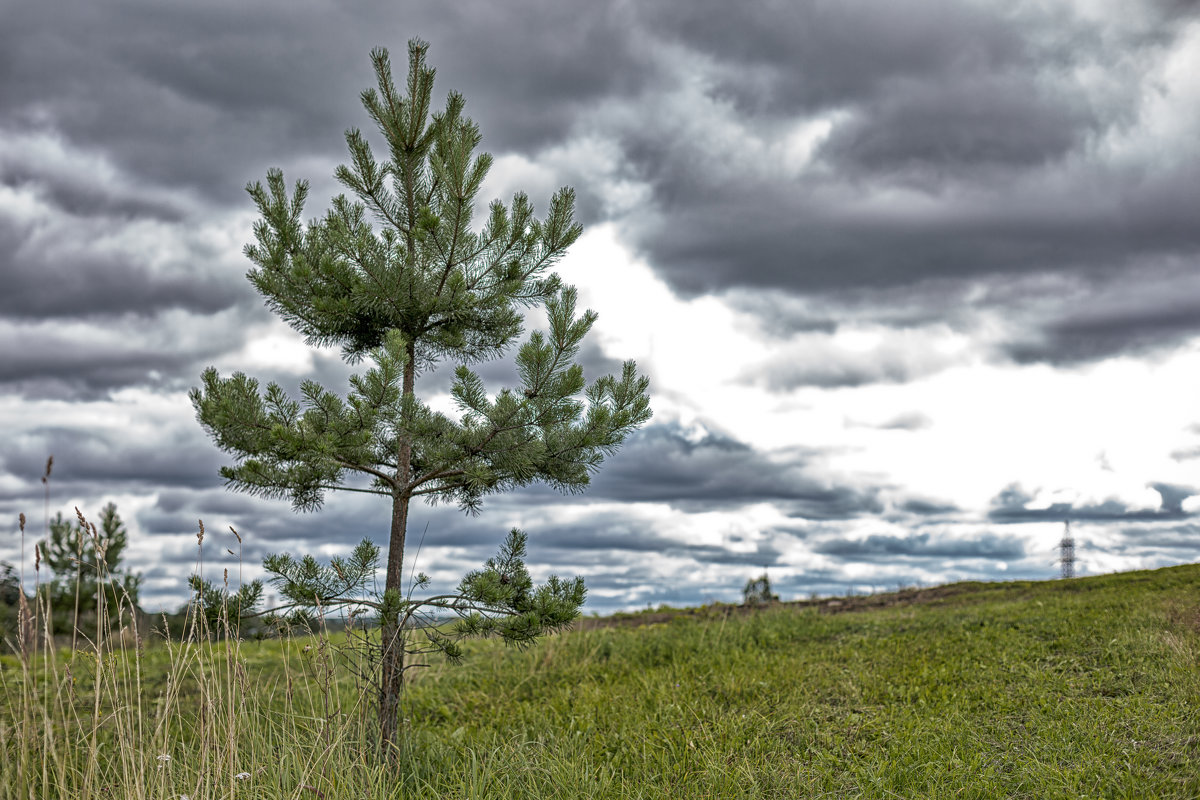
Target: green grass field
<point x="1071" y="689"/>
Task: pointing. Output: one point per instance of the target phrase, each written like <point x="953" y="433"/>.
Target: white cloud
<point x="990" y="423"/>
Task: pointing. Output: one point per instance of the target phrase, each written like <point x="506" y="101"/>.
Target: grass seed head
<point x="101" y="545"/>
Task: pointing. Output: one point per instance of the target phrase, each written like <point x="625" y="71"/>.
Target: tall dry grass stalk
<point x="133" y="714"/>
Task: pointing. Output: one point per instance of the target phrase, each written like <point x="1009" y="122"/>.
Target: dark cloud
<point x="705" y="469"/>
<point x="897" y="355"/>
<point x="1172" y="496"/>
<point x="1174" y="538"/>
<point x="967" y="162"/>
<point x="881" y="547"/>
<point x="78" y="193"/>
<point x="71" y="362"/>
<point x="74" y="280"/>
<point x="208" y="96"/>
<point x="783" y="316"/>
<point x="806" y="243"/>
<point x="925" y="306"/>
<point x="266" y="525"/>
<point x="837" y="502"/>
<point x="924" y="132"/>
<point x="570" y="57"/>
<point x="1091" y="336"/>
<point x="965" y="115"/>
<point x="1010" y="506"/>
<point x="965" y="152"/>
<point x="762" y="555"/>
<point x="208" y="501"/>
<point x="607" y="533"/>
<point x="923" y="507"/>
<point x="156" y="83"/>
<point x="87" y="459"/>
<point x="131" y="145"/>
<point x="817" y="56"/>
<point x="836" y="370"/>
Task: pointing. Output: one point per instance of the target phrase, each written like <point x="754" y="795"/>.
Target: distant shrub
<point x="758" y="592"/>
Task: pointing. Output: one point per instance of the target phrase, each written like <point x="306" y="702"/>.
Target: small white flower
<point x="164" y="758"/>
<point x="241" y="776"/>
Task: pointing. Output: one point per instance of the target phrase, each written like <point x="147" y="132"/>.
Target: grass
<point x="1081" y="688"/>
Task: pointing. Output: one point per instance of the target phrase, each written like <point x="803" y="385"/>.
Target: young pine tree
<point x="396" y="276"/>
<point x="86" y="563"/>
<point x="10" y="597"/>
<point x="757" y="592"/>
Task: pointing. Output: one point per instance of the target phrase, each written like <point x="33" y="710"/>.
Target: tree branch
<point x="354" y="489"/>
<point x="383" y="476"/>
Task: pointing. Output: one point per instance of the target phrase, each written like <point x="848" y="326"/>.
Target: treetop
<point x="399" y="251"/>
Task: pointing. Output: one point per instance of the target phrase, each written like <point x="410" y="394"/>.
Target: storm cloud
<point x="700" y="469"/>
<point x="897" y="271"/>
<point x="921" y="545"/>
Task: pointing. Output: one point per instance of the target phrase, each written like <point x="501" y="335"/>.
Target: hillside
<point x="1081" y="688"/>
<point x="1055" y="689"/>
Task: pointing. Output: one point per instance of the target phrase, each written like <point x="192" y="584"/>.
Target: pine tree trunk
<point x="391" y="679"/>
<point x="391" y="684"/>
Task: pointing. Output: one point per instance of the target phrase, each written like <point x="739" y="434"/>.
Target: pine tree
<point x="10" y="597"/>
<point x="396" y="276"/>
<point x="757" y="592"/>
<point x="71" y="549"/>
<point x="86" y="563"/>
<point x="10" y="584"/>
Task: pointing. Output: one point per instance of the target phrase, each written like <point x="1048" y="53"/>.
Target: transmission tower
<point x="1067" y="551"/>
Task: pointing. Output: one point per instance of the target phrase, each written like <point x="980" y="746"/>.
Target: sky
<point x="913" y="282"/>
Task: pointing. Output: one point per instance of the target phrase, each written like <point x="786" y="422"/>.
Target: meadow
<point x="1061" y="689"/>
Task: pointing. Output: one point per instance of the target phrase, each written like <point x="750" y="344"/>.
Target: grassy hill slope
<point x="1088" y="687"/>
<point x="1081" y="688"/>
